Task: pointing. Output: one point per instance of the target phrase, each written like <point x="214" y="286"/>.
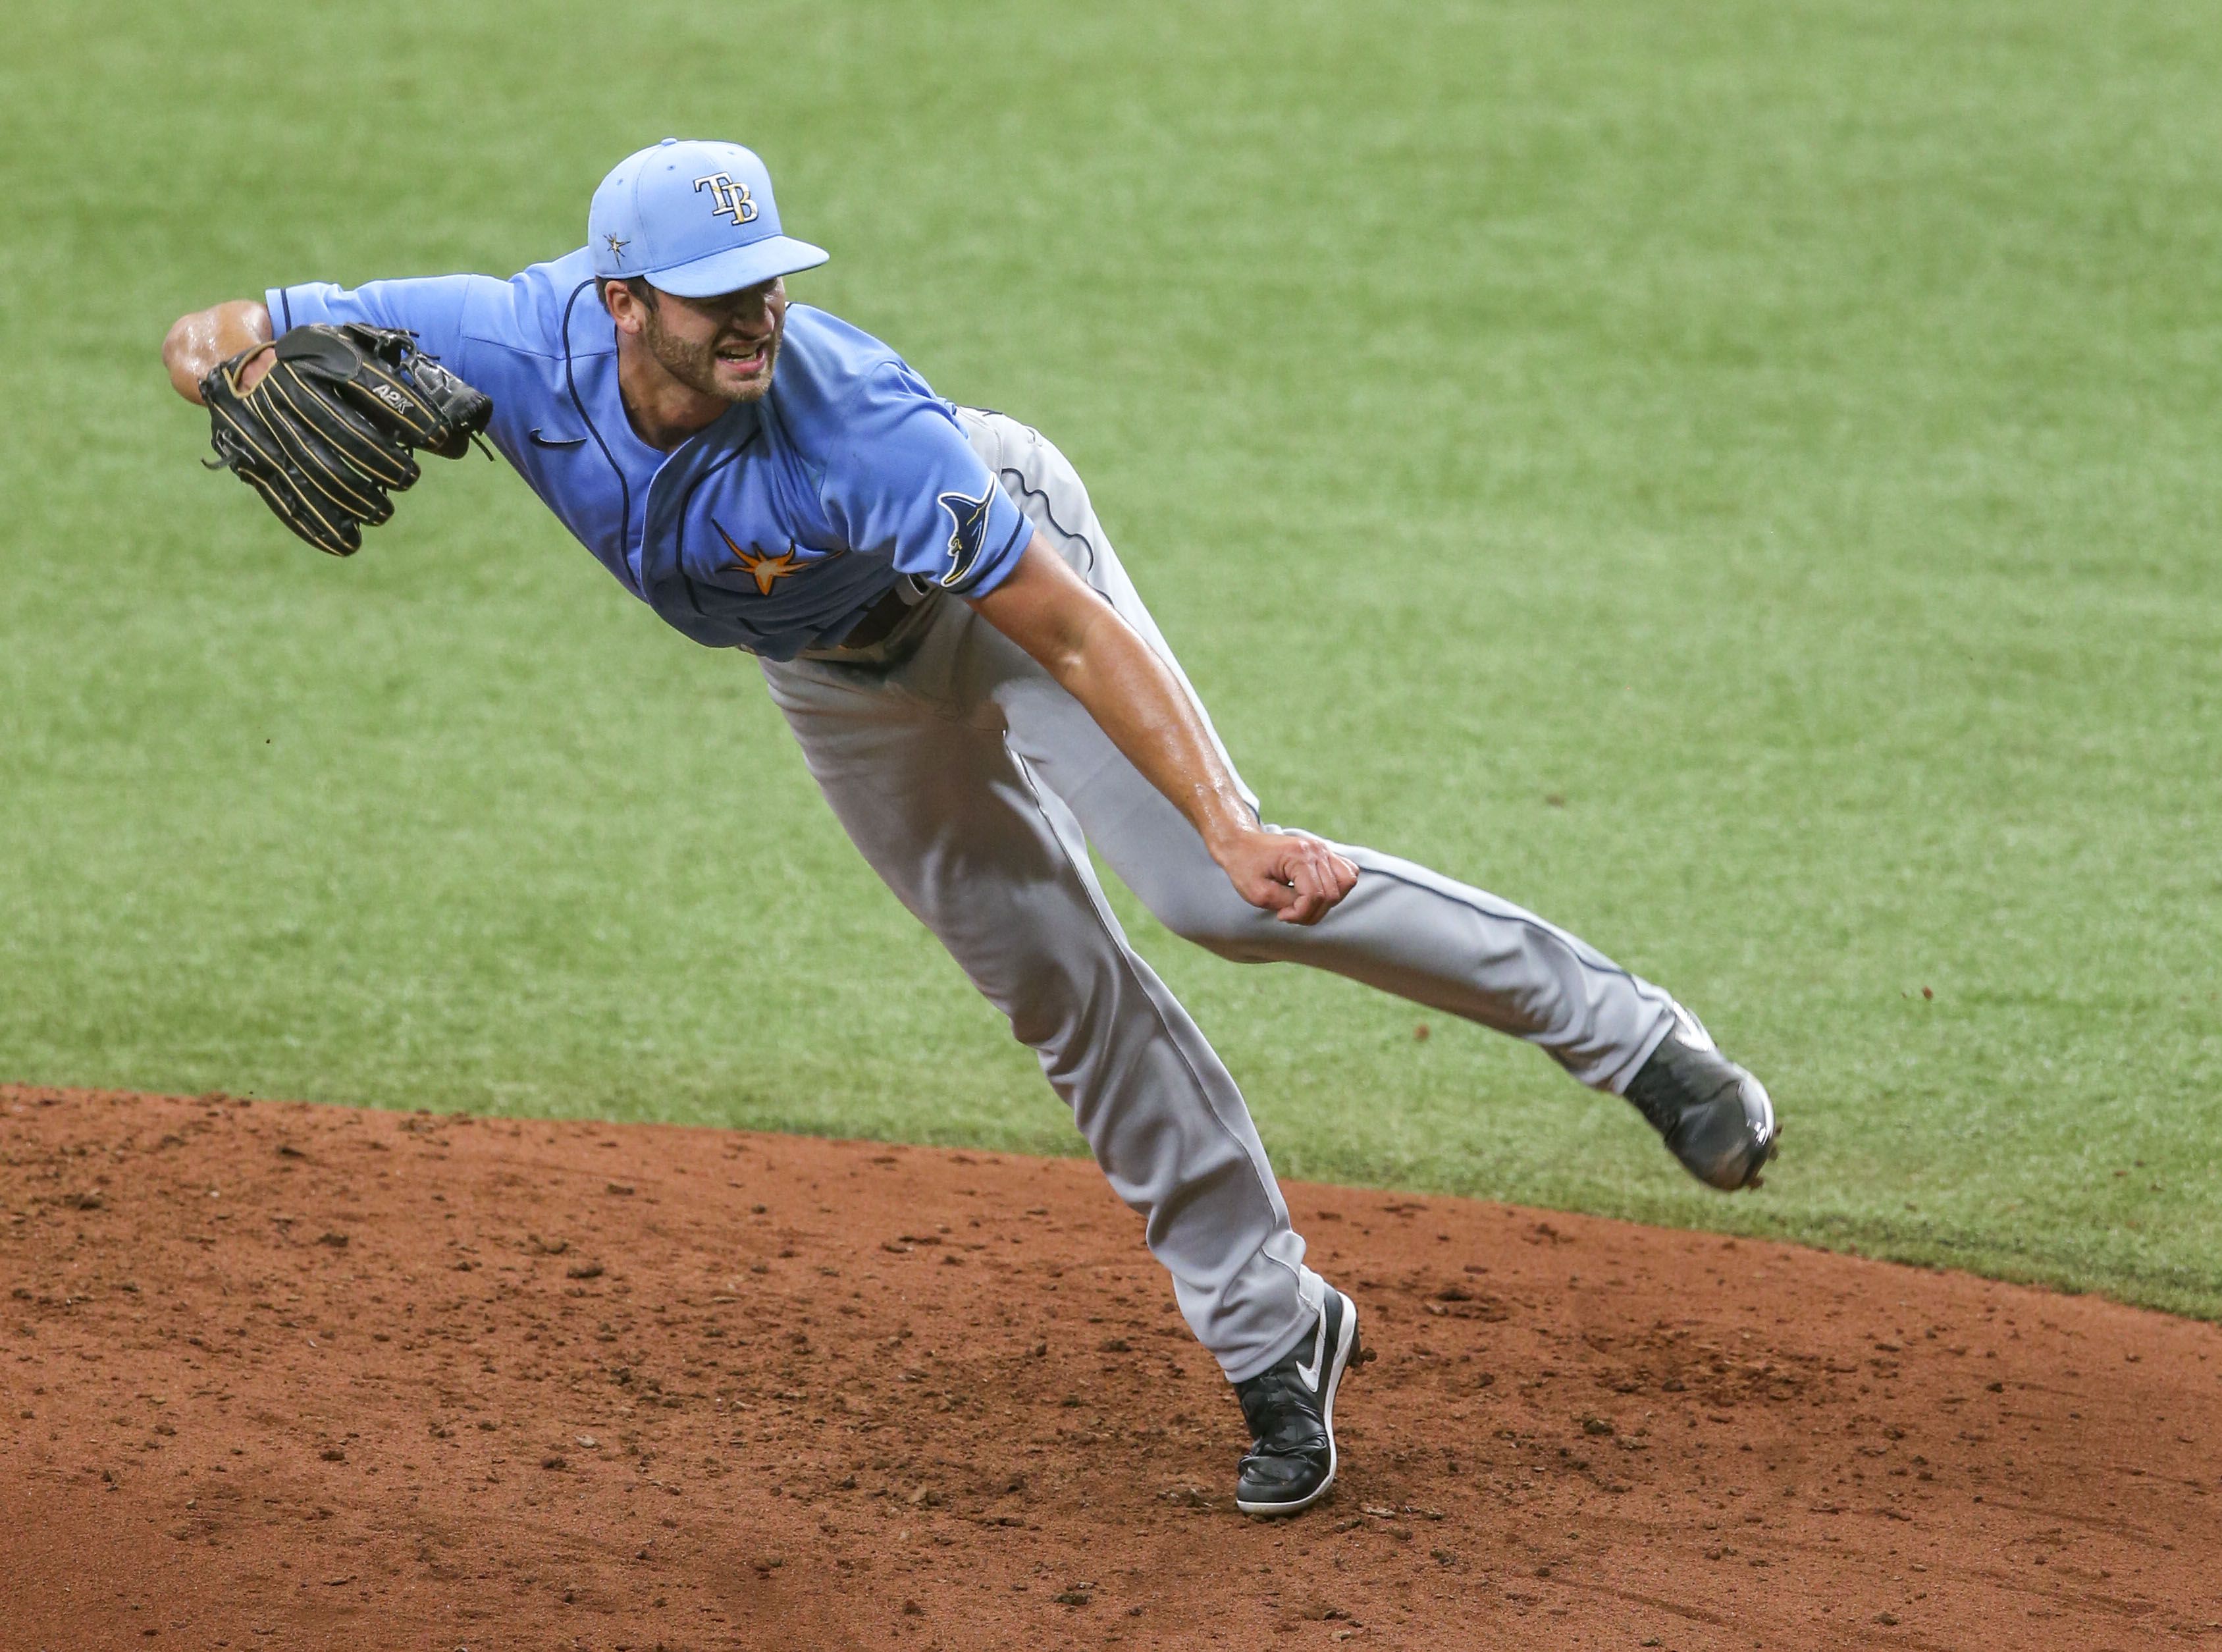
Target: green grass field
<point x="1744" y="479"/>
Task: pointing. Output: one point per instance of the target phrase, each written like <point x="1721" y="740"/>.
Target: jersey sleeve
<point x="432" y="307"/>
<point x="903" y="483"/>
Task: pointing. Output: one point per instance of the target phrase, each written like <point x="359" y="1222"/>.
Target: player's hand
<point x="257" y="367"/>
<point x="1292" y="875"/>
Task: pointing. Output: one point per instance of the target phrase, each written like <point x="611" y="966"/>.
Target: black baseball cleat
<point x="1291" y="1411"/>
<point x="1716" y="1118"/>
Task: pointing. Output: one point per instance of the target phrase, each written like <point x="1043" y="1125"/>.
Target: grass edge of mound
<point x="2161" y="1288"/>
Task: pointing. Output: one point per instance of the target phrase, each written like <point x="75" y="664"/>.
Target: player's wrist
<point x="1228" y="832"/>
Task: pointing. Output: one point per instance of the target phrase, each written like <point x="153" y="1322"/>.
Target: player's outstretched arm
<point x="325" y="422"/>
<point x="1080" y="639"/>
<point x="198" y="341"/>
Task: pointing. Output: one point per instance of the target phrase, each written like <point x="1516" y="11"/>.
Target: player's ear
<point x="623" y="300"/>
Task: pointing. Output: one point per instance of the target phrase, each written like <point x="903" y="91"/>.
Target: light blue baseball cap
<point x="696" y="218"/>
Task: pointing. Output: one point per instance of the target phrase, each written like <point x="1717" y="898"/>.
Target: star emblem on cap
<point x="617" y="244"/>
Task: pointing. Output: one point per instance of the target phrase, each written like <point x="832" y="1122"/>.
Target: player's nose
<point x="749" y="313"/>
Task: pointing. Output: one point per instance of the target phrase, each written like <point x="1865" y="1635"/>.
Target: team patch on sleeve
<point x="968" y="536"/>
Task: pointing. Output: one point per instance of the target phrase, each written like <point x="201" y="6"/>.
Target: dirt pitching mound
<point x="280" y="1376"/>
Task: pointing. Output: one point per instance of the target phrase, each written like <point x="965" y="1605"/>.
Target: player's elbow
<point x="1064" y="654"/>
<point x="1054" y="636"/>
<point x="198" y="340"/>
<point x="174" y="347"/>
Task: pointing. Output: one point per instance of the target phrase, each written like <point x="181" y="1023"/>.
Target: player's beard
<point x="695" y="365"/>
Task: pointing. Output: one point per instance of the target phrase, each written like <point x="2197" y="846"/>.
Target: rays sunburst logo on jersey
<point x="768" y="567"/>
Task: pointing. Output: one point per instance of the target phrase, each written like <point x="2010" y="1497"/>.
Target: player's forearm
<point x="1079" y="639"/>
<point x="198" y="341"/>
<point x="1136" y="699"/>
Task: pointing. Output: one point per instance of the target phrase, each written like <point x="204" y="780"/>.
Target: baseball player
<point x="980" y="695"/>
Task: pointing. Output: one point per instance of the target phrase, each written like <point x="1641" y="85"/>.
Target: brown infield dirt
<point x="283" y="1376"/>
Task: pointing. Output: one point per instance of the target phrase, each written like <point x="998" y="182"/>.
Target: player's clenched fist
<point x="1292" y="875"/>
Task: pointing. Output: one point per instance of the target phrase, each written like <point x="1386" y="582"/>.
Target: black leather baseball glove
<point x="327" y="432"/>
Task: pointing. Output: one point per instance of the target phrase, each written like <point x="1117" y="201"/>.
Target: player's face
<point x="723" y="347"/>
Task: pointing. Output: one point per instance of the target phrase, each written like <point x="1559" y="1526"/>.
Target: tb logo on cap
<point x="727" y="196"/>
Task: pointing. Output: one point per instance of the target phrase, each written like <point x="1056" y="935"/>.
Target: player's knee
<point x="1219" y="922"/>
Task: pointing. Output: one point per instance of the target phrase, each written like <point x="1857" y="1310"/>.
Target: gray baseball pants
<point x="973" y="784"/>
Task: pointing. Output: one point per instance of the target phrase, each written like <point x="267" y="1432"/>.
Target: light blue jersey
<point x="773" y="530"/>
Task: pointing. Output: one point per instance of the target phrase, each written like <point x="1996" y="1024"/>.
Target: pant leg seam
<point x="1527" y="920"/>
<point x="1282" y="1345"/>
<point x="1119" y="949"/>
